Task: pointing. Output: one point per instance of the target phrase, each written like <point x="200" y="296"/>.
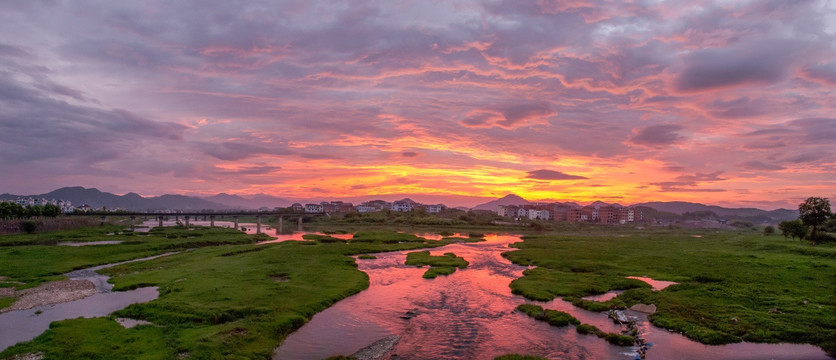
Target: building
<point x="607" y="215"/>
<point x="313" y="208"/>
<point x="435" y="209"/>
<point x="402" y="206"/>
<point x="367" y="208"/>
<point x="297" y="208"/>
<point x="535" y="214"/>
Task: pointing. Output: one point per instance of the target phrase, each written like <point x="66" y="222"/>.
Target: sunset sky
<point x="729" y="103"/>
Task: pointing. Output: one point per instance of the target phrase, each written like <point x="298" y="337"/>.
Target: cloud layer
<point x="721" y="102"/>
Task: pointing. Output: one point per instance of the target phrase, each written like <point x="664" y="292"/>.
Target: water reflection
<point x="469" y="315"/>
<point x="656" y="285"/>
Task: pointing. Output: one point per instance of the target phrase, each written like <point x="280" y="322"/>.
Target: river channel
<point x="23" y="325"/>
<point x="470" y="315"/>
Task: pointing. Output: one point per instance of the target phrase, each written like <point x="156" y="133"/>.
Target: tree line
<point x="10" y="210"/>
<point x="813" y="215"/>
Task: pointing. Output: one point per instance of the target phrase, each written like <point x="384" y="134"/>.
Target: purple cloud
<point x="754" y="63"/>
<point x="757" y="165"/>
<point x="658" y="135"/>
<point x="552" y="175"/>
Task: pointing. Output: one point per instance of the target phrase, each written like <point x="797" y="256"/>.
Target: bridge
<point x="187" y="216"/>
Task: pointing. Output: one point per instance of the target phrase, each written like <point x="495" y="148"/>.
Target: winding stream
<point x="469" y="315"/>
<point x="24" y="325"/>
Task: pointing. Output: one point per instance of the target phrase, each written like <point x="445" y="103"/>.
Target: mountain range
<point x="672" y="209"/>
<point x="135" y="202"/>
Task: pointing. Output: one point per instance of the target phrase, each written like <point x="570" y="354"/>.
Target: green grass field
<point x="229" y="298"/>
<point x="223" y="300"/>
<point x="732" y="286"/>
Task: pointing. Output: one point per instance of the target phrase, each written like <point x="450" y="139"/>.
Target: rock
<point x="378" y="348"/>
<point x="647" y="309"/>
<point x="734" y="319"/>
<point x="774" y="311"/>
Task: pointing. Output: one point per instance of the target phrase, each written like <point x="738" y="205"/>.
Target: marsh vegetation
<point x="230" y="298"/>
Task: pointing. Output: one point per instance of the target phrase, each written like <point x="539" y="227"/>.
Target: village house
<point x="313" y="208"/>
<point x="435" y="209"/>
<point x="595" y="213"/>
<point x="402" y="206"/>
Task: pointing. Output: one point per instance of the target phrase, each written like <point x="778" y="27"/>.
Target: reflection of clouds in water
<point x="470" y="315"/>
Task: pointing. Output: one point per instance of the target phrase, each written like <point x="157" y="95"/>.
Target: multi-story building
<point x="402" y="206"/>
<point x="313" y="208"/>
<point x="435" y="209"/>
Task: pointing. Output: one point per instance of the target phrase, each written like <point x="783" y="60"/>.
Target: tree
<point x="769" y="230"/>
<point x="51" y="210"/>
<point x="793" y="229"/>
<point x="814" y="212"/>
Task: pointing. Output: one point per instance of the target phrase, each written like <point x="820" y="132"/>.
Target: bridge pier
<point x="280" y="225"/>
<point x="176" y="219"/>
<point x="132" y="222"/>
<point x="258" y="224"/>
<point x="160" y="220"/>
<point x="211" y="220"/>
<point x="187" y="220"/>
<point x="235" y="217"/>
<point x="299" y="221"/>
<point x="104" y="218"/>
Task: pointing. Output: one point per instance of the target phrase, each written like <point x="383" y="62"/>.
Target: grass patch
<point x="367" y="257"/>
<point x="439" y="265"/>
<point x="562" y="319"/>
<point x="733" y="286"/>
<point x="553" y="317"/>
<point x="7" y="301"/>
<point x="322" y="238"/>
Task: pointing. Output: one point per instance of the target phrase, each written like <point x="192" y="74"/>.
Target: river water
<point x="470" y="315"/>
<point x="23" y="325"/>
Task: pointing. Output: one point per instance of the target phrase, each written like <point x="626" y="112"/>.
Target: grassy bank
<point x="30" y="259"/>
<point x="733" y="286"/>
<point x="235" y="301"/>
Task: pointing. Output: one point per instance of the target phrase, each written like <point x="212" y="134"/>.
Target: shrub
<point x="29" y="226"/>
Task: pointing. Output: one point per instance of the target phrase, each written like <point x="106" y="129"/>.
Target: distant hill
<point x="130" y="201"/>
<point x="671" y="210"/>
<point x="752" y="214"/>
<point x="509" y="199"/>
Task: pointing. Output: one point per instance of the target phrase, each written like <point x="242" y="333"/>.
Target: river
<point x="470" y="315"/>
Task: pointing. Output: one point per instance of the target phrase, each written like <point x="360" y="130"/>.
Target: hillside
<point x="509" y="199"/>
<point x="130" y="201"/>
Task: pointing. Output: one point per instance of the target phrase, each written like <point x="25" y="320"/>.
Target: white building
<point x="435" y="209"/>
<point x="313" y="208"/>
<point x="402" y="206"/>
<point x="538" y="214"/>
<point x="366" y="208"/>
